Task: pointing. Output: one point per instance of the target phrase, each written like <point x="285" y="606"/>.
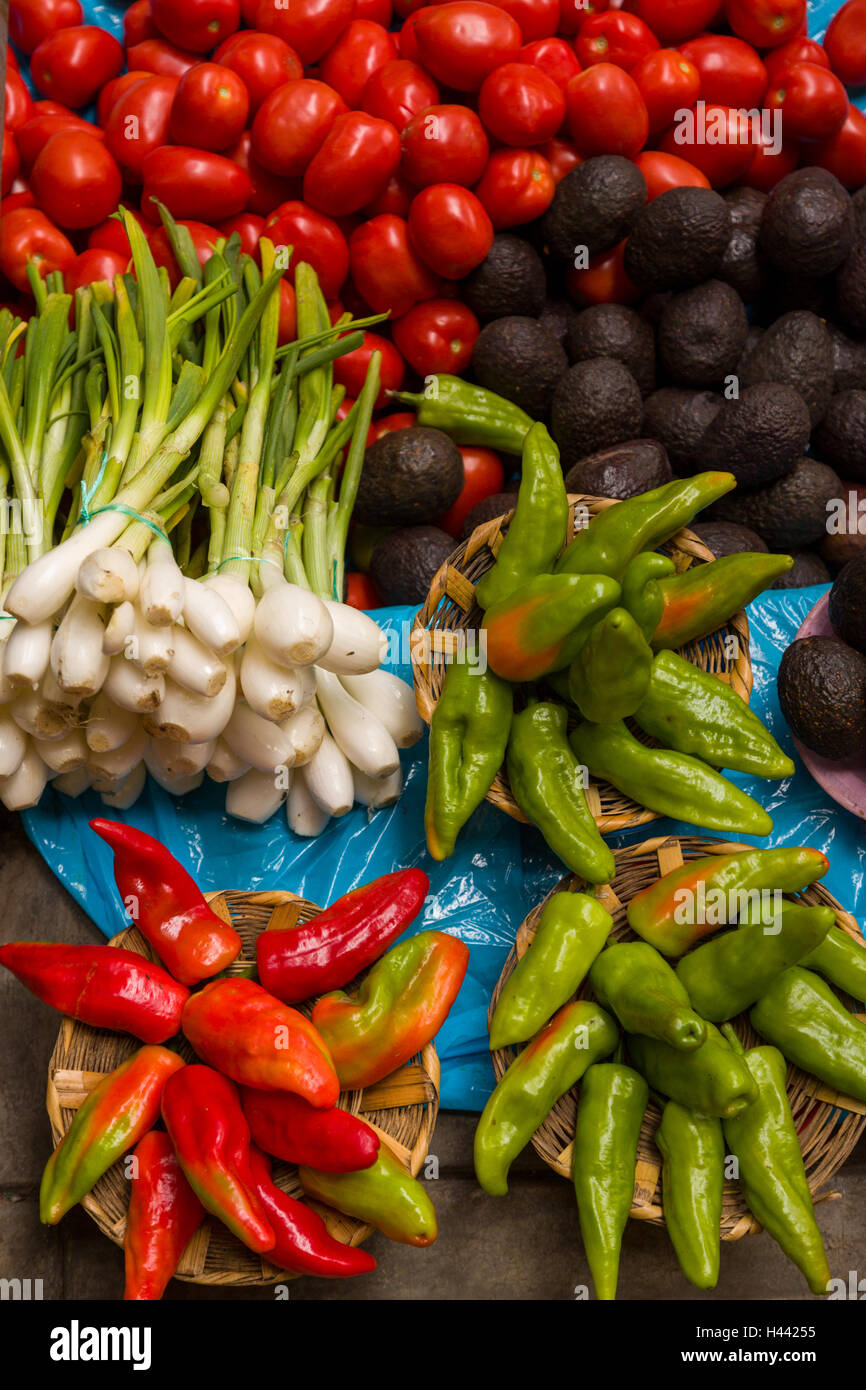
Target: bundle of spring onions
<point x="176" y="492"/>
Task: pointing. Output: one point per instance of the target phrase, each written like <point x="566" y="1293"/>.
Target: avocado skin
<point x="520" y="360"/>
<point x="847" y="604"/>
<point x="594" y="206"/>
<point x="497" y="504"/>
<point x="789" y="513"/>
<point x="822" y="692"/>
<point x="727" y="537"/>
<point x="702" y="333"/>
<point x="808" y="568"/>
<point x="404" y="563"/>
<point x="849" y="361"/>
<point x="838" y="547"/>
<point x="808" y="224"/>
<point x="410" y="475"/>
<point x="740" y="266"/>
<point x="840" y="438"/>
<point x="510" y="280"/>
<point x="850" y="287"/>
<point x="557" y="316"/>
<point x="678" y="419"/>
<point x="624" y="470"/>
<point x="798" y="351"/>
<point x="614" y="330"/>
<point x="595" y="404"/>
<point x="759" y="436"/>
<point x="679" y="239"/>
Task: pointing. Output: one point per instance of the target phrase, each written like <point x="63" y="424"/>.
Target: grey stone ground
<point x="524" y="1246"/>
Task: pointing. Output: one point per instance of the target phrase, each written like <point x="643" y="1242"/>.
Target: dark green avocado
<point x="702" y="333"/>
<point x="840" y="439"/>
<point x="510" y="280"/>
<point x="847" y="604"/>
<point x="497" y="504"/>
<point x="404" y="563"/>
<point x="409" y="475"/>
<point x="740" y="266"/>
<point x="679" y="419"/>
<point x="595" y="404"/>
<point x="614" y="330"/>
<point x="850" y="287"/>
<point x="790" y="512"/>
<point x="594" y="206"/>
<point x="519" y="359"/>
<point x="727" y="537"/>
<point x="808" y="224"/>
<point x="822" y="692"/>
<point x="808" y="568"/>
<point x="798" y="351"/>
<point x="623" y="470"/>
<point x="759" y="436"/>
<point x="679" y="239"/>
<point x="849" y="361"/>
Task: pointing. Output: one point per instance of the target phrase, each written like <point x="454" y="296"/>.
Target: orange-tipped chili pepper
<point x="303" y="1242"/>
<point x="289" y="1128"/>
<point x="238" y="1027"/>
<point x="703" y="597"/>
<point x="164" y="1214"/>
<point x="541" y="626"/>
<point x="167" y="906"/>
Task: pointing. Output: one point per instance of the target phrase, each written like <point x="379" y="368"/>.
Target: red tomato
<point x="315" y="239"/>
<point x="361" y="592"/>
<point x="538" y="19"/>
<point x="604" y="280"/>
<point x="664" y="171"/>
<point x="22" y="198"/>
<point x="352" y="165"/>
<point x="351" y="370"/>
<point x="11" y="163"/>
<point x="263" y="62"/>
<point x="387" y="424"/>
<point x="765" y="23"/>
<point x="396" y="197"/>
<point x="269" y="191"/>
<point x="93" y="265"/>
<point x="139" y="122"/>
<point x="31" y="137"/>
<point x="26" y="234"/>
<point x="249" y="10"/>
<point x="310" y="27"/>
<point x="573" y="14"/>
<point x="461" y="42"/>
<point x="155" y="55"/>
<point x="292" y="123"/>
<point x="362" y="49"/>
<point x="31" y="21"/>
<point x="204" y="238"/>
<point x="437" y="336"/>
<point x="407" y="43"/>
<point x="386" y="269"/>
<point x="191" y="182"/>
<point x="845" y="43"/>
<point x="813" y="102"/>
<point x="668" y="83"/>
<point x="54" y="108"/>
<point x="210" y="108"/>
<point x="606" y="112"/>
<point x="770" y="165"/>
<point x="11" y="60"/>
<point x="397" y="91"/>
<point x="516" y="187"/>
<point x="249" y="227"/>
<point x="110" y="235"/>
<point x="520" y="105"/>
<point x="76" y="180"/>
<point x="731" y="72"/>
<point x="794" y="51"/>
<point x="196" y="25"/>
<point x="844" y="154"/>
<point x="18" y="107"/>
<point x="718" y="140"/>
<point x="138" y="24"/>
<point x="444" y="144"/>
<point x="113" y="91"/>
<point x="379" y="11"/>
<point x="555" y="58"/>
<point x="71" y="65"/>
<point x="450" y="229"/>
<point x="483" y="475"/>
<point x="614" y="37"/>
<point x="674" y="20"/>
<point x="288" y="329"/>
<point x="562" y="156"/>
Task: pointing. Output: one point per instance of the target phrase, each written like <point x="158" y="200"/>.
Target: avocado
<point x="808" y="568"/>
<point x="850" y="287"/>
<point x="822" y="691"/>
<point x="702" y="334"/>
<point x="740" y="266"/>
<point x="594" y="206"/>
<point x="510" y="280"/>
<point x="518" y="359"/>
<point x="840" y="438"/>
<point x="595" y="404"/>
<point x="679" y="418"/>
<point x="678" y="240"/>
<point x="613" y="330"/>
<point x="796" y="350"/>
<point x="847" y="604"/>
<point x="808" y="224"/>
<point x="497" y="504"/>
<point x="753" y="337"/>
<point x="557" y="316"/>
<point x="849" y="361"/>
<point x="759" y="436"/>
<point x="789" y="513"/>
<point x="844" y="540"/>
<point x="781" y="293"/>
<point x="727" y="537"/>
<point x="409" y="475"/>
<point x="623" y="470"/>
<point x="403" y="565"/>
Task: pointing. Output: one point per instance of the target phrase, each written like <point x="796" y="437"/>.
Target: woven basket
<point x="451" y="606"/>
<point x="828" y="1124"/>
<point x="402" y="1108"/>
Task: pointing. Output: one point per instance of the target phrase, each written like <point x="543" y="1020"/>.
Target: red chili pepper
<point x="167" y="906"/>
<point x="331" y="949"/>
<point x="304" y="1244"/>
<point x="100" y="985"/>
<point x="164" y="1214"/>
<point x="333" y="1141"/>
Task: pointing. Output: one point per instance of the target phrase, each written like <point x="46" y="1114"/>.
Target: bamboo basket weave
<point x="402" y="1108"/>
<point x="828" y="1124"/>
<point x="450" y="607"/>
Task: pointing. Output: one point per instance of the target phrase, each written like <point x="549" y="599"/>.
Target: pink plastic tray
<point x="844" y="781"/>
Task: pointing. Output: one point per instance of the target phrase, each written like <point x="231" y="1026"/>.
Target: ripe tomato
<point x="379" y="11"/>
<point x="76" y="180"/>
<point x="315" y="239"/>
<point x="191" y="182"/>
<point x="554" y="56"/>
<point x="196" y="25"/>
<point x="292" y="123"/>
<point x="813" y="102"/>
<point x="668" y="83"/>
<point x="362" y="49"/>
<point x="444" y="144"/>
<point x="249" y="227"/>
<point x="113" y="91"/>
<point x="10" y="164"/>
<point x="288" y="329"/>
<point x="269" y="191"/>
<point x="139" y="122"/>
<point x="718" y="140"/>
<point x="604" y="280"/>
<point x="845" y="43"/>
<point x="664" y="171"/>
<point x="794" y="51"/>
<point x="386" y="269"/>
<point x="361" y="592"/>
<point x="844" y="154"/>
<point x="71" y="65"/>
<point x="310" y="27"/>
<point x="573" y="14"/>
<point x="731" y="72"/>
<point x="437" y="336"/>
<point x="352" y="165"/>
<point x="204" y="238"/>
<point x="263" y="62"/>
<point x="397" y="91"/>
<point x="30" y="138"/>
<point x="93" y="265"/>
<point x="351" y="370"/>
<point x="157" y="56"/>
<point x="606" y="112"/>
<point x="461" y="42"/>
<point x="672" y="21"/>
<point x="18" y="104"/>
<point x="26" y="234"/>
<point x="407" y="43"/>
<point x="386" y="424"/>
<point x="450" y="229"/>
<point x="210" y="108"/>
<point x="396" y="197"/>
<point x="138" y="24"/>
<point x="765" y="23"/>
<point x="110" y="235"/>
<point x="483" y="476"/>
<point x="520" y="105"/>
<point x="614" y="37"/>
<point x="31" y="21"/>
<point x="516" y="187"/>
<point x="538" y="19"/>
<point x="562" y="156"/>
<point x="771" y="164"/>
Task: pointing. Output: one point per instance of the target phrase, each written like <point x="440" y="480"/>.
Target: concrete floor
<point x="523" y="1246"/>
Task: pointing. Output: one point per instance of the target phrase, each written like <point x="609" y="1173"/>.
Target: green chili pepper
<point x="554" y="1061"/>
<point x="692" y="1147"/>
<point x="536" y="532"/>
<point x="641" y="594"/>
<point x="541" y="626"/>
<point x="470" y="414"/>
<point x="841" y="961"/>
<point x="764" y="1141"/>
<point x="612" y="1102"/>
<point x="620" y="532"/>
<point x="611" y="673"/>
<point x="712" y="1079"/>
<point x="547" y="784"/>
<point x="571" y="931"/>
<point x="673" y="784"/>
<point x="639" y="986"/>
<point x="385" y="1195"/>
<point x="726" y="976"/>
<point x="704" y="597"/>
<point x="801" y="1015"/>
<point x="468" y="738"/>
<point x="693" y="712"/>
